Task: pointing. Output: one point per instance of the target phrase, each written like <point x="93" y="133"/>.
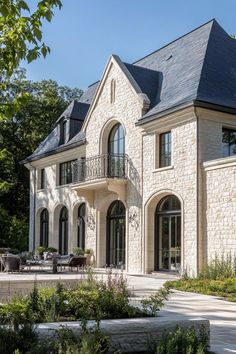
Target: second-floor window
<point x="65" y="172"/>
<point x="165" y="149"/>
<point x="42" y="181"/>
<point x="228" y="142"/>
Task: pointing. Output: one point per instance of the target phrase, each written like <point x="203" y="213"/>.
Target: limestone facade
<point x="203" y="182"/>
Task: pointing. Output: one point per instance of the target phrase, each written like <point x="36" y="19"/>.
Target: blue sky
<point x="84" y="33"/>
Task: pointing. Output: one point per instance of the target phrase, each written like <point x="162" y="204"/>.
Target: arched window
<point x="113" y="91"/>
<point x="116" y="151"/>
<point x="168" y="234"/>
<point x="116" y="234"/>
<point x="81" y="226"/>
<point x="63" y="231"/>
<point x="44" y="228"/>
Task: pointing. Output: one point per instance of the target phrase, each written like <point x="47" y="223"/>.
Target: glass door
<point x="169" y="242"/>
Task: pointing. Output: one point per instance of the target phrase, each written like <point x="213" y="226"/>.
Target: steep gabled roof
<point x="218" y="78"/>
<point x="180" y="65"/>
<point x="198" y="68"/>
<point x="75" y="110"/>
<point x="148" y="80"/>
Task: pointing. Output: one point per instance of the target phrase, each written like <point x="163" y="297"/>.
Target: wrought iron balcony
<point x="99" y="167"/>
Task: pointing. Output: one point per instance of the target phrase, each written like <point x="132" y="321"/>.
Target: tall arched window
<point x="63" y="231"/>
<point x="116" y="151"/>
<point x="116" y="234"/>
<point x="81" y="226"/>
<point x="44" y="228"/>
<point x="168" y="234"/>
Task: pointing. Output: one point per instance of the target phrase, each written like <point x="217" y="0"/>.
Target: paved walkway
<point x="222" y="314"/>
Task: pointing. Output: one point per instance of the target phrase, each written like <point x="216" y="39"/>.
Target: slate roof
<point x="75" y="110"/>
<point x="198" y="68"/>
<point x="148" y="81"/>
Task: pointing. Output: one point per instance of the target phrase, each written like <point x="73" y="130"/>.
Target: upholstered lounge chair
<point x="11" y="263"/>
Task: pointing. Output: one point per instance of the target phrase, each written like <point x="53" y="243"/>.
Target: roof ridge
<point x="203" y="63"/>
<point x="184" y="35"/>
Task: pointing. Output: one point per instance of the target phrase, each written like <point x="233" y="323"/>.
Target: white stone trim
<point x="219" y="163"/>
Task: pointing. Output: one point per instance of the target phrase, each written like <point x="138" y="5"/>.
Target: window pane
<point x="165" y="149"/>
<point x="42" y="179"/>
<point x="228" y="142"/>
<point x="66" y="172"/>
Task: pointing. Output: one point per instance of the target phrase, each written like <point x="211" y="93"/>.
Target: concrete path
<point x="220" y="313"/>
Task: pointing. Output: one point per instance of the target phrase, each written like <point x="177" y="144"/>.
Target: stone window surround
<point x="59" y="171"/>
<point x="156" y="154"/>
<point x="39" y="179"/>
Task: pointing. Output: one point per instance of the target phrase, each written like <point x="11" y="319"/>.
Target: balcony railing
<point x="101" y="166"/>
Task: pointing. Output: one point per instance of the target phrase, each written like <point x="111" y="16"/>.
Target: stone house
<point x="142" y="169"/>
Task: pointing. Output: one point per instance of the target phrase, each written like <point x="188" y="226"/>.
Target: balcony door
<point x="116" y="235"/>
<point x="168" y="234"/>
<point x="116" y="151"/>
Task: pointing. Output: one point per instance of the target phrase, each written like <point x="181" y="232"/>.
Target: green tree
<point x="19" y="137"/>
<point x="20" y="39"/>
<point x="21" y="32"/>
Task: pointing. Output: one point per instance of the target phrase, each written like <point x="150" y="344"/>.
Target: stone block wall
<point x="220" y="207"/>
<point x="179" y="179"/>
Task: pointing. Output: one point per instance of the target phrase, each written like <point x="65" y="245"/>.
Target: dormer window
<point x="113" y="90"/>
<point x="63" y="132"/>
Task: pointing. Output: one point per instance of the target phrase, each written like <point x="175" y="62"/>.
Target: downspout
<point x="197" y="190"/>
<point x="34" y="202"/>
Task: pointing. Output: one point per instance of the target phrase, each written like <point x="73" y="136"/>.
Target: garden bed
<point x="225" y="288"/>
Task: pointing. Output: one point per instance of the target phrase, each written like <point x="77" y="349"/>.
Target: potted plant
<point x="89" y="255"/>
<point x="51" y="250"/>
<point x="40" y="251"/>
<point x="78" y="251"/>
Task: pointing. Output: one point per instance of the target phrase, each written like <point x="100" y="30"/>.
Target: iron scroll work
<point x="105" y="166"/>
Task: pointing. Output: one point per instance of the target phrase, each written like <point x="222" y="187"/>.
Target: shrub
<point x="155" y="302"/>
<point x="89" y="300"/>
<point x="25" y="340"/>
<point x="41" y="250"/>
<point x="78" y="251"/>
<point x="182" y="340"/>
<point x="51" y="249"/>
<point x="223" y="267"/>
<point x="22" y="339"/>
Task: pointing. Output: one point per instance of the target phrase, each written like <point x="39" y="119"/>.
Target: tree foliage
<point x="21" y="32"/>
<point x="19" y="137"/>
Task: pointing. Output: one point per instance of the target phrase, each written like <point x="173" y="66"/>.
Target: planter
<point x="90" y="259"/>
<point x="130" y="335"/>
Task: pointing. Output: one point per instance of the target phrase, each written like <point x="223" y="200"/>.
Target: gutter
<point x="53" y="152"/>
<point x="197" y="192"/>
<point x="195" y="103"/>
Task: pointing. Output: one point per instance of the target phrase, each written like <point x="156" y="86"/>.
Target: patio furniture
<point x="11" y="263"/>
<point x="72" y="262"/>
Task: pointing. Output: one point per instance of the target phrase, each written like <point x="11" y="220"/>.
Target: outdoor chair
<point x="11" y="263"/>
<point x="77" y="262"/>
<point x="72" y="262"/>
